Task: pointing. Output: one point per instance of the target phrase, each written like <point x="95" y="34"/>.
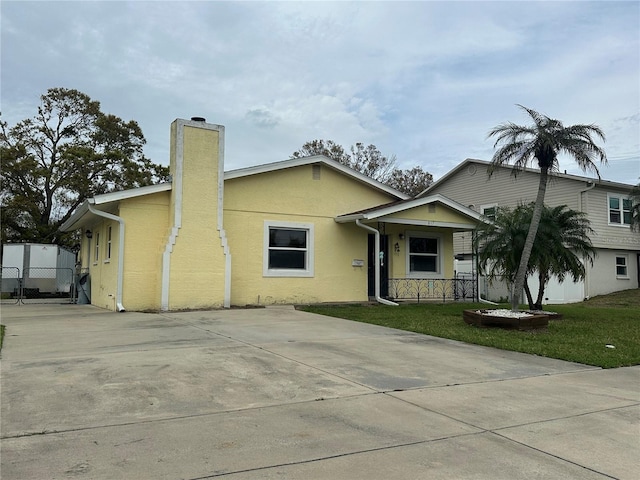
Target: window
<point x="97" y="248"/>
<point x="489" y="211"/>
<point x="108" y="256"/>
<point x="621" y="267"/>
<point x="288" y="249"/>
<point x="423" y="254"/>
<point x="619" y="210"/>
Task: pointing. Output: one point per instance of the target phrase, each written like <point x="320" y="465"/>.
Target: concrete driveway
<point x="277" y="393"/>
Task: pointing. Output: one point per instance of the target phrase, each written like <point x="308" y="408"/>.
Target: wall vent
<point x="316" y="171"/>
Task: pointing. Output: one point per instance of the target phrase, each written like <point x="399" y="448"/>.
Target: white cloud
<point x="422" y="80"/>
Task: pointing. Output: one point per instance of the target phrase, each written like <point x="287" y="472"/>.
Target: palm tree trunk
<point x="542" y="280"/>
<point x="527" y="291"/>
<point x="528" y="244"/>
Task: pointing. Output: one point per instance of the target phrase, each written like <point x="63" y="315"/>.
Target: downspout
<point x="119" y="305"/>
<point x="584" y="259"/>
<point x="376" y="270"/>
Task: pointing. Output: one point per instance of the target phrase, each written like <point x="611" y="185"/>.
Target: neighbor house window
<point x="288" y="249"/>
<point x="489" y="211"/>
<point x="423" y="254"/>
<point x="108" y="256"/>
<point x="619" y="210"/>
<point x="621" y="267"/>
<point x="96" y="254"/>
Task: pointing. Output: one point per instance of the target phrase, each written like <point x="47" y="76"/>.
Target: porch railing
<point x="442" y="289"/>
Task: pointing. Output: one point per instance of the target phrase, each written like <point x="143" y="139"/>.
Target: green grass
<point x="1" y="336"/>
<point x="581" y="336"/>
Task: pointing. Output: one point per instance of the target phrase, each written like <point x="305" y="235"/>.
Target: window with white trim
<point x="96" y="254"/>
<point x="489" y="211"/>
<point x="288" y="249"/>
<point x="619" y="209"/>
<point x="424" y="256"/>
<point x="621" y="266"/>
<point x="108" y="252"/>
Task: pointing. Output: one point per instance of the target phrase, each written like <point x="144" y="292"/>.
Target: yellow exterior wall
<point x="194" y="274"/>
<point x="146" y="224"/>
<point x="398" y="260"/>
<point x="293" y="191"/>
<point x="441" y="213"/>
<point x="197" y="259"/>
<point x="103" y="270"/>
<point x="292" y="195"/>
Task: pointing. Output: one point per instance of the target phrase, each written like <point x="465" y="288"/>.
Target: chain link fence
<point x="38" y="285"/>
<point x="11" y="285"/>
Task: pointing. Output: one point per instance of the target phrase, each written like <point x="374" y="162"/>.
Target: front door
<point x="382" y="263"/>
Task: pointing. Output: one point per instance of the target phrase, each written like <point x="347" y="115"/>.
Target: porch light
<point x="89" y="234"/>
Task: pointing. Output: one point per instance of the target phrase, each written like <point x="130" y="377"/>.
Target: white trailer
<point x="43" y="268"/>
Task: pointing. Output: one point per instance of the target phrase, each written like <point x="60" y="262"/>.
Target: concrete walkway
<point x="276" y="393"/>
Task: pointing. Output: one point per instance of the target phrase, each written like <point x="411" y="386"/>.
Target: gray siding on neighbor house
<point x="472" y="187"/>
<point x="608" y="235"/>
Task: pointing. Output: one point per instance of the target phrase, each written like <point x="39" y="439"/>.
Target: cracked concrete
<point x="277" y="393"/>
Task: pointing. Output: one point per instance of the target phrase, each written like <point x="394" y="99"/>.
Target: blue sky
<point x="424" y="81"/>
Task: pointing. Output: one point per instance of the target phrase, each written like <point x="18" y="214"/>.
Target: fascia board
<point x="418" y="202"/>
<point x="131" y="193"/>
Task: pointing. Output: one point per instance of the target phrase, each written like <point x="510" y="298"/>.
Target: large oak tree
<point x="68" y="152"/>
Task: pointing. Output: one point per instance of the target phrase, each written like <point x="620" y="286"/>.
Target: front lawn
<point x="582" y="336"/>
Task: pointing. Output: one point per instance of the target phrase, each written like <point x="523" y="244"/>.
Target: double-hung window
<point x="288" y="249"/>
<point x="424" y="256"/>
<point x="619" y="210"/>
<point x="621" y="267"/>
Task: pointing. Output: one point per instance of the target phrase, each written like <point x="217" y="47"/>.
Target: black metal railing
<point x="425" y="289"/>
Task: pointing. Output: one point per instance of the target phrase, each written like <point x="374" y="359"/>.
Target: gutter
<point x="379" y="299"/>
<point x="119" y="305"/>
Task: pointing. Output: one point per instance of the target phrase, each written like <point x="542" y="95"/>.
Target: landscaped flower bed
<point x="505" y="319"/>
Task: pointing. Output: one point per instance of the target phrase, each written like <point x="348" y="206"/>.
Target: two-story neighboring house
<point x="607" y="205"/>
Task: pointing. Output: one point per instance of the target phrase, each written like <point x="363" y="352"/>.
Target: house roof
<point x="469" y="161"/>
<point x="404" y="205"/>
<point x="106" y="201"/>
<point x="314" y="160"/>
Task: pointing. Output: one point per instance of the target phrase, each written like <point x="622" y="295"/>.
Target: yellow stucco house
<point x="305" y="230"/>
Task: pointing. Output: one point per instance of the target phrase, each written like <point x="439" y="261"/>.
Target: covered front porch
<point x="410" y="250"/>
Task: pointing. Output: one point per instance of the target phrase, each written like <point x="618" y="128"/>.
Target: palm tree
<point x="561" y="242"/>
<point x="500" y="243"/>
<point x="542" y="141"/>
<point x="562" y="245"/>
